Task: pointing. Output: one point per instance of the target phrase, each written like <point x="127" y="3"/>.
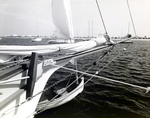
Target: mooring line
<point x="73" y="82"/>
<point x="100" y="77"/>
<point x="104" y="78"/>
<point x="99" y="58"/>
<point x="94" y="63"/>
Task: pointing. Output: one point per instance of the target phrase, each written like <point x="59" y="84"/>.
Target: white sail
<point x="62" y="18"/>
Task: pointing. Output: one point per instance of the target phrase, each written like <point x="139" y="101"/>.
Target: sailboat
<point x="36" y="39"/>
<point x="25" y="70"/>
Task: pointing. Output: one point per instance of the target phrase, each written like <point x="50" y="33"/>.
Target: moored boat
<point x="26" y="69"/>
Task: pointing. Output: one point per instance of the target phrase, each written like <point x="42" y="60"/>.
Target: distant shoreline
<point x="132" y="40"/>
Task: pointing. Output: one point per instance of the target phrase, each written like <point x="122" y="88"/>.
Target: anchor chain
<point x="19" y="62"/>
<point x="30" y="98"/>
<point x="94" y="63"/>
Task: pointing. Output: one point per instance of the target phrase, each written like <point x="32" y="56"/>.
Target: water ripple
<point x="103" y="99"/>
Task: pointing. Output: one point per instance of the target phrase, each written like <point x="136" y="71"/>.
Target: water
<point x="104" y="99"/>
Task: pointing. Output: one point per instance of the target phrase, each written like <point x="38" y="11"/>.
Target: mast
<point x="37" y="25"/>
<point x="88" y="28"/>
<point x="128" y="27"/>
<point x="92" y="28"/>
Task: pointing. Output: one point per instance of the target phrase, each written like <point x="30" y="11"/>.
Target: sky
<point x="33" y="17"/>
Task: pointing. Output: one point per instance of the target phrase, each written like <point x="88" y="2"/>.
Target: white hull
<point x="15" y="96"/>
<point x="36" y="39"/>
<point x="26" y="109"/>
<point x="13" y="102"/>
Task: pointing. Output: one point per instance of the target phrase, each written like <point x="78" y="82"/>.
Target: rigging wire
<point x="101" y="17"/>
<point x="107" y="79"/>
<point x="93" y="63"/>
<point x="99" y="58"/>
<point x="29" y="98"/>
<point x="84" y="73"/>
<point x="131" y="17"/>
<point x="100" y="77"/>
<point x="93" y="75"/>
<point x="15" y="63"/>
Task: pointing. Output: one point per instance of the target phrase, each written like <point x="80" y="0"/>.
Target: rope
<point x="44" y="108"/>
<point x="100" y="77"/>
<point x="19" y="62"/>
<point x="100" y="57"/>
<point x="7" y="81"/>
<point x="15" y="63"/>
<point x="101" y="16"/>
<point x="83" y="73"/>
<point x="37" y="112"/>
<point x="104" y="78"/>
<point x="29" y="98"/>
<point x="131" y="17"/>
<point x="95" y="75"/>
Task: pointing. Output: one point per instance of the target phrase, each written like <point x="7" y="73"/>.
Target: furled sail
<point x="62" y="18"/>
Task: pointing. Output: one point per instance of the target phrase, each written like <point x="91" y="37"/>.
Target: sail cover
<point x="62" y="18"/>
